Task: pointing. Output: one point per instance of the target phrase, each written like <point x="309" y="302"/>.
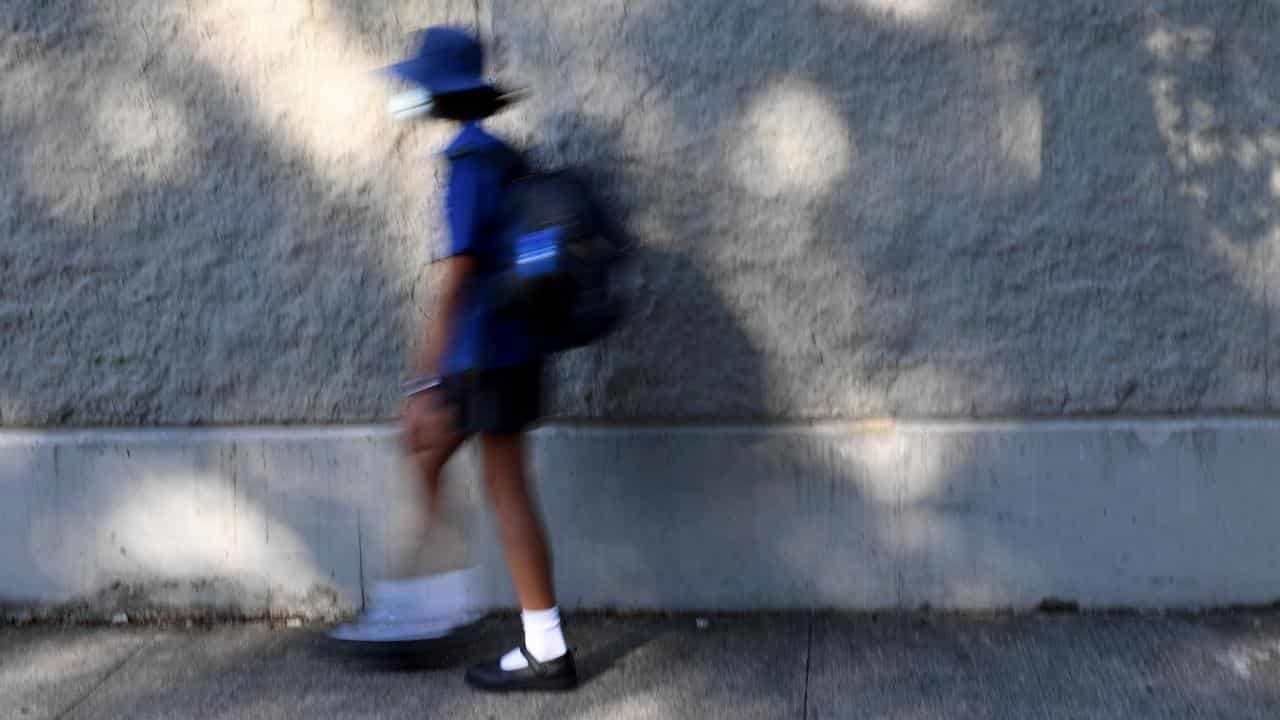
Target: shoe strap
<point x="538" y="668"/>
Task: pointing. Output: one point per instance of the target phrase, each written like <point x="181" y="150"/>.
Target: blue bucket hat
<point x="447" y="60"/>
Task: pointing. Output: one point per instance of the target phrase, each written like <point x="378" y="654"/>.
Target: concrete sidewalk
<point x="748" y="666"/>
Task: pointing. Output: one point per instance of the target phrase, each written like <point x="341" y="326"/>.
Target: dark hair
<point x="469" y="104"/>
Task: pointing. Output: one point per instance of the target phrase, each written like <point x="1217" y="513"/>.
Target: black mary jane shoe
<point x="553" y="675"/>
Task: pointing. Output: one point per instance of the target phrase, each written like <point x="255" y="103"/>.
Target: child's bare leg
<point x="524" y="542"/>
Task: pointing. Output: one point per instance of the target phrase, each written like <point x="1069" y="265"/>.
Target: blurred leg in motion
<point x="429" y="465"/>
<point x="430" y="591"/>
<point x="433" y="533"/>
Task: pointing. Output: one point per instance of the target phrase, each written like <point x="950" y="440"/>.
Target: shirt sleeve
<point x="465" y="207"/>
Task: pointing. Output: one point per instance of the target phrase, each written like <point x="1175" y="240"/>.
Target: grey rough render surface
<point x="206" y="215"/>
<point x="869" y="207"/>
<point x="846" y="208"/>
<point x="767" y="666"/>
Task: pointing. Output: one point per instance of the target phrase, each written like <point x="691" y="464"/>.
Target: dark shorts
<point x="503" y="401"/>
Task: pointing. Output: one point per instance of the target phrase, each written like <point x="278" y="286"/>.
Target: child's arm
<point x="437" y="329"/>
<point x="427" y="422"/>
<point x="465" y="217"/>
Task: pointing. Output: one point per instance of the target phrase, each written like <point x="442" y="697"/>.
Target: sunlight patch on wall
<point x="323" y="99"/>
<point x="1170" y="42"/>
<point x="794" y="142"/>
<point x="1019" y="121"/>
<point x="84" y="144"/>
<point x="1236" y="255"/>
<point x="1248" y="657"/>
<point x="957" y="18"/>
<point x="315" y="90"/>
<point x="1187" y="124"/>
<point x="891" y="467"/>
<point x="328" y="101"/>
<point x="1019" y="129"/>
<point x="10" y="407"/>
<point x="916" y="10"/>
<point x="197" y="525"/>
<point x="178" y="525"/>
<point x="148" y="134"/>
<point x="1227" y="170"/>
<point x="792" y="148"/>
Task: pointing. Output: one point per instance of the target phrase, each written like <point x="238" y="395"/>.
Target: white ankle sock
<point x="542" y="636"/>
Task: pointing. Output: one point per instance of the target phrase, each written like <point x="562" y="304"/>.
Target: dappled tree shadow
<point x="184" y="245"/>
<point x="175" y="253"/>
<point x="990" y="213"/>
<point x="1008" y="233"/>
<point x="1015" y="210"/>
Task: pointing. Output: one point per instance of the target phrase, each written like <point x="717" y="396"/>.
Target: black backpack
<point x="562" y="271"/>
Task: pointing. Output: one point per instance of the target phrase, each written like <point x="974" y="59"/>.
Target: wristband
<point x="419" y="385"/>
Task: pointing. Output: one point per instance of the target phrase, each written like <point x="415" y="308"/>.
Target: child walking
<point x="481" y="372"/>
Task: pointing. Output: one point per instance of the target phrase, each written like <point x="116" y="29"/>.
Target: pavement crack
<point x="808" y="655"/>
<point x="103" y="680"/>
<point x="364" y="602"/>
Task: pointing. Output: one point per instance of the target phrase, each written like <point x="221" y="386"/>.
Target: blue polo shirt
<point x="481" y="338"/>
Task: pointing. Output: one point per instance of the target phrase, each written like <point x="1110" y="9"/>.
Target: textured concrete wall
<point x="847" y="207"/>
<point x="873" y="515"/>
<point x="206" y="215"/>
<point x="926" y="207"/>
<point x="243" y="520"/>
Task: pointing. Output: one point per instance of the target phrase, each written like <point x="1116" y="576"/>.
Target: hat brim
<point x="417" y="72"/>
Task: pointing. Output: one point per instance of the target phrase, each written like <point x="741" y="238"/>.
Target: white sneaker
<point x="427" y="608"/>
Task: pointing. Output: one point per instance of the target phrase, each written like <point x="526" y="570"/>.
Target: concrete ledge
<point x="245" y="521"/>
<point x="1141" y="513"/>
